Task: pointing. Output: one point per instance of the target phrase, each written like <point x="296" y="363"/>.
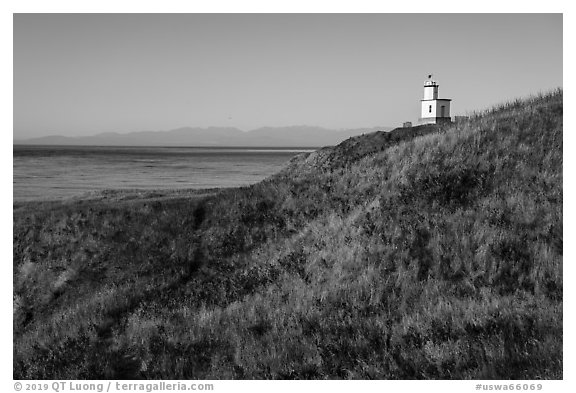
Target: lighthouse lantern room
<point x="434" y="110"/>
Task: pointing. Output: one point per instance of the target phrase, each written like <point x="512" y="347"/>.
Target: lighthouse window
<point x="429" y="108"/>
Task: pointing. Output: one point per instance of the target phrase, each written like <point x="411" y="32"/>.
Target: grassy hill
<point x="422" y="253"/>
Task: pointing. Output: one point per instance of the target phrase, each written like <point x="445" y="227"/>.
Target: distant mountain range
<point x="294" y="136"/>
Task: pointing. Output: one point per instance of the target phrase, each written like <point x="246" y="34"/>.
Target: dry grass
<point x="434" y="255"/>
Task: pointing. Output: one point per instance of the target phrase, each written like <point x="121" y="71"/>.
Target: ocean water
<point x="56" y="172"/>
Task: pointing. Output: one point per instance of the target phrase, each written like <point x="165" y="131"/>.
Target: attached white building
<point x="434" y="110"/>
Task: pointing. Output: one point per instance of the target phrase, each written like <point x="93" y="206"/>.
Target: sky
<point x="83" y="74"/>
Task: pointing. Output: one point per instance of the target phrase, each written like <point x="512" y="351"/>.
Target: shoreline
<point x="122" y="196"/>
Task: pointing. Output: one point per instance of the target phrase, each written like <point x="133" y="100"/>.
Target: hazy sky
<point x="80" y="74"/>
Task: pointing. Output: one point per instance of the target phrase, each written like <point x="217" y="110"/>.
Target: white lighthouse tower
<point x="434" y="110"/>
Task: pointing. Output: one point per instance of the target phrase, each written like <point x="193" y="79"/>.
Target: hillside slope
<point x="437" y="255"/>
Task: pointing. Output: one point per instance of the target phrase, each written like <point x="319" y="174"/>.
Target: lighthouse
<point x="434" y="110"/>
